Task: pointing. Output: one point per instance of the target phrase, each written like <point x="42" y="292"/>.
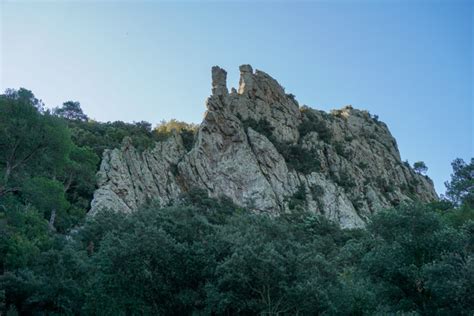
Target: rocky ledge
<point x="258" y="147"/>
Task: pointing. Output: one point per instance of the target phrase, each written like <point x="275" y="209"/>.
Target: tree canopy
<point x="460" y="189"/>
<point x="202" y="255"/>
<point x="71" y="110"/>
<point x="420" y="167"/>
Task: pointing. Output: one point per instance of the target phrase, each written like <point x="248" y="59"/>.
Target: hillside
<point x="259" y="148"/>
<point x="183" y="220"/>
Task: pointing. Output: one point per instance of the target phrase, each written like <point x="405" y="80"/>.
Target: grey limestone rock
<point x="241" y="151"/>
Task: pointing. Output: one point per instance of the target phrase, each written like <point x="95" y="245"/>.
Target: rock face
<point x="257" y="146"/>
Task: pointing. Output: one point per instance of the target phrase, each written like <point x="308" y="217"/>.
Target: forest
<point x="206" y="256"/>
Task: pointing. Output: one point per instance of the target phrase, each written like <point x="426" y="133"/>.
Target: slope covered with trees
<point x="202" y="255"/>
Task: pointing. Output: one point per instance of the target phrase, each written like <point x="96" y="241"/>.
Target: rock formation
<point x="257" y="146"/>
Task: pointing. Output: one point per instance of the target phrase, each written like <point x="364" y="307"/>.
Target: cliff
<point x="258" y="147"/>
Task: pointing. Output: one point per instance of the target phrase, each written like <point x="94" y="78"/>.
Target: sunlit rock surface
<point x="359" y="170"/>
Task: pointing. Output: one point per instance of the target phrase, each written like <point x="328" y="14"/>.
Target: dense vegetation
<point x="208" y="256"/>
<point x="296" y="156"/>
<point x="202" y="255"/>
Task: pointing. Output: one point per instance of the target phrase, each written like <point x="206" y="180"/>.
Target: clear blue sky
<point x="409" y="62"/>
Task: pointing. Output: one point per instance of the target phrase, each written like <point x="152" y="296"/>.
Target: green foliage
<point x="166" y="127"/>
<point x="292" y="97"/>
<point x="262" y="127"/>
<point x="298" y="199"/>
<point x="458" y="216"/>
<point x="40" y="165"/>
<point x="216" y="210"/>
<point x="341" y="150"/>
<point x="71" y="111"/>
<point x="186" y="130"/>
<point x="344" y="180"/>
<point x="79" y="176"/>
<point x="204" y="255"/>
<point x="30" y="142"/>
<point x="207" y="256"/>
<point x="406" y="163"/>
<point x="363" y="165"/>
<point x="460" y="190"/>
<point x="188" y="138"/>
<point x="47" y="195"/>
<point x="24" y="96"/>
<point x="296" y="156"/>
<point x="299" y="158"/>
<point x="420" y="167"/>
<point x="100" y="136"/>
<point x="155" y="270"/>
<point x="317" y="191"/>
<point x="410" y="246"/>
<point x="312" y="123"/>
<point x="24" y="234"/>
<point x="183" y="260"/>
<point x="270" y="270"/>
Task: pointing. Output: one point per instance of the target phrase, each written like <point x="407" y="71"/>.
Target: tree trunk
<point x="8" y="171"/>
<point x="51" y="220"/>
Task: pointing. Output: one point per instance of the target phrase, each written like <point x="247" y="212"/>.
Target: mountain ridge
<point x="259" y="148"/>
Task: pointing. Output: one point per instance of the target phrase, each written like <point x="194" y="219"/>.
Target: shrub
<point x="312" y="123"/>
<point x="298" y="158"/>
<point x="262" y="127"/>
<point x="341" y="150"/>
<point x="292" y="97"/>
<point x="345" y="180"/>
<point x="298" y="199"/>
<point x="187" y="131"/>
<point x="317" y="191"/>
<point x="420" y="167"/>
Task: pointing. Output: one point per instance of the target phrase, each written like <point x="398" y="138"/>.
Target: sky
<point x="409" y="62"/>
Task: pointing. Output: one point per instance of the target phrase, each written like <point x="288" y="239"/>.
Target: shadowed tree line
<point x="201" y="255"/>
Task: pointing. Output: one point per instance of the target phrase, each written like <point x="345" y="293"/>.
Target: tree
<point x="460" y="190"/>
<point x="23" y="235"/>
<point x="152" y="263"/>
<point x="408" y="248"/>
<point x="267" y="269"/>
<point x="30" y="142"/>
<point x="79" y="175"/>
<point x="71" y="110"/>
<point x="420" y="167"/>
<point x="24" y="96"/>
<point x="40" y="164"/>
<point x="47" y="195"/>
<point x="165" y="127"/>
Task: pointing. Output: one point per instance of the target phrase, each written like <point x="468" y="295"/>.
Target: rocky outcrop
<point x="128" y="178"/>
<point x="257" y="146"/>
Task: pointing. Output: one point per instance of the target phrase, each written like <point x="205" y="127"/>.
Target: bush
<point x="420" y="167"/>
<point x="344" y="180"/>
<point x="317" y="191"/>
<point x="312" y="123"/>
<point x="100" y="136"/>
<point x="413" y="254"/>
<point x="187" y="132"/>
<point x="341" y="150"/>
<point x="262" y="127"/>
<point x="296" y="157"/>
<point x="299" y="158"/>
<point x="207" y="256"/>
<point x="298" y="199"/>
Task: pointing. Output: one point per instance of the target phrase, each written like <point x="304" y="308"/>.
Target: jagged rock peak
<point x="219" y="81"/>
<point x="257" y="147"/>
<point x="246" y="79"/>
